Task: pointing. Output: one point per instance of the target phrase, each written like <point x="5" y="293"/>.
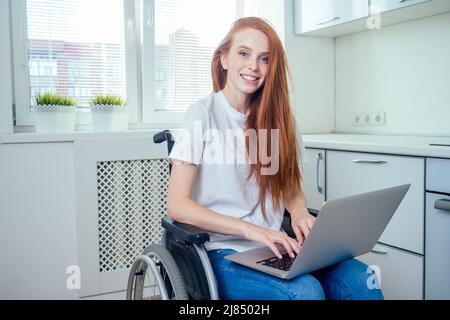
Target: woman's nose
<point x="253" y="65"/>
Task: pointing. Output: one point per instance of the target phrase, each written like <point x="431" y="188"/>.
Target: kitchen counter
<point x="401" y="145"/>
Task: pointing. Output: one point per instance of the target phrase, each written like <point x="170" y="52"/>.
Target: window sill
<point x="135" y="132"/>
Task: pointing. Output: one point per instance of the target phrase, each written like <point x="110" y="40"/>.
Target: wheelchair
<point x="178" y="268"/>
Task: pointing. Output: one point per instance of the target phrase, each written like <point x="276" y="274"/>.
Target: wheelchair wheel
<point x="155" y="276"/>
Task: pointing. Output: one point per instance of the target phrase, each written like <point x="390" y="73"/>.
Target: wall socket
<point x="369" y="119"/>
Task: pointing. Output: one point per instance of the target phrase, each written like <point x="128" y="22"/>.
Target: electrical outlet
<point x="361" y="119"/>
<point x="357" y="119"/>
<point x="366" y="119"/>
<point x="378" y="118"/>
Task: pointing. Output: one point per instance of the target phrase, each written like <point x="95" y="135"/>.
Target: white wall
<point x="267" y="9"/>
<point x="402" y="69"/>
<point x="6" y="125"/>
<point x="311" y="62"/>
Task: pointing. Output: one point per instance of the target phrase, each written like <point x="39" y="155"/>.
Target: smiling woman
<point x="240" y="204"/>
<point x="246" y="67"/>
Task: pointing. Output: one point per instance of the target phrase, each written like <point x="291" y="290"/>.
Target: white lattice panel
<point x="131" y="202"/>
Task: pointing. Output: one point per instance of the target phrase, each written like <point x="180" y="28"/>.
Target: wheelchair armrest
<point x="313" y="212"/>
<point x="286" y="225"/>
<point x="185" y="232"/>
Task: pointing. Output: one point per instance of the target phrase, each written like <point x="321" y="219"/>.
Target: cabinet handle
<point x="370" y="161"/>
<point x="319" y="158"/>
<point x="328" y="20"/>
<point x="378" y="251"/>
<point x="442" y="204"/>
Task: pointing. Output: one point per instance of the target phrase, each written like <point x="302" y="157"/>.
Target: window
<point x="71" y="48"/>
<point x="176" y="62"/>
<point x="76" y="47"/>
<point x="154" y="53"/>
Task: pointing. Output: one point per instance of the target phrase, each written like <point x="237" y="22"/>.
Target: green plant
<point x="108" y="99"/>
<point x="54" y="99"/>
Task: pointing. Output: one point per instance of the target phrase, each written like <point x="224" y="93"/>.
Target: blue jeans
<point x="347" y="280"/>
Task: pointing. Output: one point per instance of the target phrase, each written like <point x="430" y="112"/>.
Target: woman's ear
<point x="224" y="61"/>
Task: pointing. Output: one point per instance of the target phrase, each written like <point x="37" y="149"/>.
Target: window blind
<point x="186" y="33"/>
<point x="76" y="48"/>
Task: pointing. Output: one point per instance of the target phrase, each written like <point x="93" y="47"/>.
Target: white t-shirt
<point x="221" y="184"/>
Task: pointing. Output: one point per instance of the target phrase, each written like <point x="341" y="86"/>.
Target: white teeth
<point x="248" y="77"/>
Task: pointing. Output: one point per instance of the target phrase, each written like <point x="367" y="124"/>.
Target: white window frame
<point x="132" y="60"/>
<point x="24" y="116"/>
<point x="149" y="115"/>
<point x="6" y="90"/>
<point x="21" y="66"/>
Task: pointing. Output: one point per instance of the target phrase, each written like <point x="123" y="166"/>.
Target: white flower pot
<point x="109" y="118"/>
<point x="54" y="118"/>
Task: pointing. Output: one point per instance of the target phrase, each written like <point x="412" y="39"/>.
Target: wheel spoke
<point x="152" y="275"/>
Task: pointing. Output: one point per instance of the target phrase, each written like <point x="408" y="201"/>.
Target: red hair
<point x="269" y="109"/>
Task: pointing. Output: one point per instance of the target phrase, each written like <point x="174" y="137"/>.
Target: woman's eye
<point x="265" y="59"/>
<point x="243" y="53"/>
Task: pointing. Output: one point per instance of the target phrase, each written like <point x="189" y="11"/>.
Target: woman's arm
<point x="182" y="208"/>
<point x="301" y="220"/>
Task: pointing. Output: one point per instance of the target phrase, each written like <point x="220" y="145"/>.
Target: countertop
<point x="389" y="144"/>
<point x="401" y="145"/>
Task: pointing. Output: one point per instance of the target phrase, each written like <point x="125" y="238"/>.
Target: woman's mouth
<point x="249" y="79"/>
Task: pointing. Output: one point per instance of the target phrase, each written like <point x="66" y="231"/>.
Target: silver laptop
<point x="344" y="228"/>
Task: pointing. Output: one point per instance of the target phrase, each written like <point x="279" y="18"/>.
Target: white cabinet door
<point x="438" y="175"/>
<point x="314" y="178"/>
<point x="400" y="273"/>
<point x="349" y="10"/>
<point x="388" y="5"/>
<point x="437" y="245"/>
<point x="350" y="173"/>
<point x="317" y="14"/>
<point x="314" y="14"/>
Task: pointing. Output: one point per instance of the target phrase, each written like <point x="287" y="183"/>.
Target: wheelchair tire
<point x="157" y="261"/>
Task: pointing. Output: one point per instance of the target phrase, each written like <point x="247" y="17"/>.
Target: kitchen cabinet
<point x="328" y="18"/>
<point x="412" y="256"/>
<point x="437" y="242"/>
<point x="388" y="5"/>
<point x="400" y="273"/>
<point x="313" y="182"/>
<point x="317" y="14"/>
<point x="351" y="173"/>
<point x="438" y="175"/>
<point x="399" y="253"/>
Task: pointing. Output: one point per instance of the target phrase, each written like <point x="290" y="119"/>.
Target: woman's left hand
<point x="302" y="222"/>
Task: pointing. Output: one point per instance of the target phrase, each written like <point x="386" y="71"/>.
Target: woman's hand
<point x="302" y="222"/>
<point x="270" y="237"/>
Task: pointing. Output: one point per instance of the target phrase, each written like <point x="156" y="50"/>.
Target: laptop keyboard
<point x="285" y="263"/>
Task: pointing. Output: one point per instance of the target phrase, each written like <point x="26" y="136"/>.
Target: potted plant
<point x="109" y="113"/>
<point x="54" y="113"/>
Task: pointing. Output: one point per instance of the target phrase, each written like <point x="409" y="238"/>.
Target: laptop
<point x="344" y="228"/>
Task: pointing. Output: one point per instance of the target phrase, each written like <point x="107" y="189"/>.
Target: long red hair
<point x="269" y="109"/>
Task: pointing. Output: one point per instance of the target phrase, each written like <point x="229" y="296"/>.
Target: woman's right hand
<point x="270" y="238"/>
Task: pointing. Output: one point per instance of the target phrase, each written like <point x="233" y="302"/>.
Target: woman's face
<point x="247" y="61"/>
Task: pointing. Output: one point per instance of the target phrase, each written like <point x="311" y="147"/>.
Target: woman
<point x="242" y="202"/>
